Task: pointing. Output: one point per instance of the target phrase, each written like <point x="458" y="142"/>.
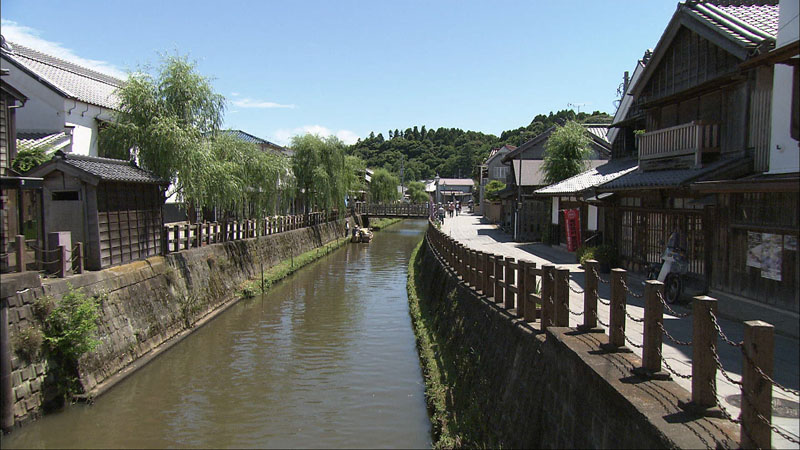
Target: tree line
<point x="423" y="153"/>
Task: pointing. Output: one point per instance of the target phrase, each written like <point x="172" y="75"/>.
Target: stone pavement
<point x="477" y="234"/>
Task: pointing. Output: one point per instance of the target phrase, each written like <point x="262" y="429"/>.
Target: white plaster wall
<point x="592" y="219"/>
<point x="784" y="155"/>
<point x="43" y="112"/>
<point x="84" y="118"/>
<point x="554" y="212"/>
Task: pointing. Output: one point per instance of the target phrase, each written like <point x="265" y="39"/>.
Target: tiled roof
<point x="495" y="151"/>
<point x="598" y="130"/>
<point x="673" y="178"/>
<point x="51" y="142"/>
<point x="749" y="23"/>
<point x="247" y="137"/>
<point x="456" y="182"/>
<point x="108" y="169"/>
<point x="72" y="80"/>
<point x="591" y="178"/>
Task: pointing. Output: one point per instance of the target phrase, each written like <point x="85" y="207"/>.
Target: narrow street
<point x="477" y="234"/>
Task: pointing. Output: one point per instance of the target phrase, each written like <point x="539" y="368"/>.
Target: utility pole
<point x="402" y="177"/>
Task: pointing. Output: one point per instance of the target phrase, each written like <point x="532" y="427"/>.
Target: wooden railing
<point x="394" y="209"/>
<point x="693" y="138"/>
<point x="540" y="296"/>
<point x="176" y="237"/>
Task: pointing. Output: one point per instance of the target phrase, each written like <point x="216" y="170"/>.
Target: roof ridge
<point x="65" y="65"/>
<point x="99" y="159"/>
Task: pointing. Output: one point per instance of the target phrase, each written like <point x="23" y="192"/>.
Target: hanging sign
<point x="572" y="222"/>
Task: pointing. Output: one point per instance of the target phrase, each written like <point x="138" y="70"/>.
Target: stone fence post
<point x="498" y="278"/>
<point x="19" y="249"/>
<point x="616" y="319"/>
<point x="652" y="338"/>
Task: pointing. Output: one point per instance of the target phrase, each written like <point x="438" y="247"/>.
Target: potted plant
<point x="607" y="256"/>
<point x="585" y="253"/>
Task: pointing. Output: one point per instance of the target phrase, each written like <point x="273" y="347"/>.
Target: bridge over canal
<point x="404" y="210"/>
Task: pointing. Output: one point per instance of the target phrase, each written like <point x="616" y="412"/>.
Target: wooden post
<point x="498" y="278"/>
<point x="652" y="340"/>
<point x="616" y="320"/>
<point x="199" y="232"/>
<point x="177" y="238"/>
<point x="704" y="344"/>
<point x="590" y="295"/>
<point x="561" y="298"/>
<point x="522" y="288"/>
<point x="78" y="268"/>
<point x="62" y="261"/>
<point x="548" y="282"/>
<point x="509" y="278"/>
<point x="530" y="288"/>
<point x="488" y="268"/>
<point x="759" y="344"/>
<point x="20" y="251"/>
<point x="480" y="269"/>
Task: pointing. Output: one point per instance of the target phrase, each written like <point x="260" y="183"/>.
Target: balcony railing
<point x="693" y="138"/>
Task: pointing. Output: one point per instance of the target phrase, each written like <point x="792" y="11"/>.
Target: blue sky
<point x="351" y="67"/>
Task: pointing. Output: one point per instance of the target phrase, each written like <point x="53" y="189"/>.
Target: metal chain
<point x="722" y="369"/>
<point x="786" y="435"/>
<point x="669" y="368"/>
<point x="633" y="294"/>
<point x="672" y="311"/>
<point x="635" y="319"/>
<point x="574" y="313"/>
<point x="767" y="377"/>
<point x="597" y="275"/>
<point x="601" y="321"/>
<point x="38" y="249"/>
<point x="633" y="343"/>
<point x="721" y="334"/>
<point x="573" y="289"/>
<point x="607" y="303"/>
<point x="671" y="338"/>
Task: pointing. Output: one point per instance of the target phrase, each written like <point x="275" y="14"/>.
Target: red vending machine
<point x="572" y="220"/>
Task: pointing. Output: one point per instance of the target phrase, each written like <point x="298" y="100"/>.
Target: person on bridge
<point x="440" y="213"/>
<point x="458" y="208"/>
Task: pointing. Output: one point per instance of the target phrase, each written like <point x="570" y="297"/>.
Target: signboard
<point x="572" y="222"/>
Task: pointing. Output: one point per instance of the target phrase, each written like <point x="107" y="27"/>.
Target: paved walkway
<point x="471" y="231"/>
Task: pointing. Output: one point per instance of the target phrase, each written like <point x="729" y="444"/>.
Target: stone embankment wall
<point x="508" y="384"/>
<point x="148" y="305"/>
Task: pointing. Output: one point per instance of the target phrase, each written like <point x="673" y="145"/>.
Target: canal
<point x="326" y="358"/>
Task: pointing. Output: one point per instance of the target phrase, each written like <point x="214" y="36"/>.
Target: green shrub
<point x="493" y="188"/>
<point x="42" y="307"/>
<point x="27" y="344"/>
<point x="585" y="253"/>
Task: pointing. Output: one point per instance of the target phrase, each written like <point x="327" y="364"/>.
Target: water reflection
<point x="325" y="359"/>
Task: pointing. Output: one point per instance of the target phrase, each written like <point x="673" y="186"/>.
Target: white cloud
<point x="284" y="136"/>
<point x="250" y="103"/>
<point x="234" y="94"/>
<point x="30" y="37"/>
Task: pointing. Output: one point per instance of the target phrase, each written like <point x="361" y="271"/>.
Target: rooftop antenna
<point x="576" y="106"/>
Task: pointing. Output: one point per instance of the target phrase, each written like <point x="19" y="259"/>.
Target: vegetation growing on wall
<point x="69" y="330"/>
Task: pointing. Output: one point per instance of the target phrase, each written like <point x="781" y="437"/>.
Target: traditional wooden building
<point x="754" y="246"/>
<point x="112" y="206"/>
<point x="700" y="112"/>
<point x="20" y="196"/>
<point x="527" y="175"/>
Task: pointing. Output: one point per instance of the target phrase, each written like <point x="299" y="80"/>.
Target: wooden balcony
<point x="689" y="139"/>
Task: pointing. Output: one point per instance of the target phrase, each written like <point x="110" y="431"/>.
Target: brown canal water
<point x="325" y="359"/>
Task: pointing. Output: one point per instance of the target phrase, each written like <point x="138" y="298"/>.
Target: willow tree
<point x="383" y="186"/>
<point x="566" y="152"/>
<point x="163" y="121"/>
<point x="323" y="174"/>
<point x="416" y="189"/>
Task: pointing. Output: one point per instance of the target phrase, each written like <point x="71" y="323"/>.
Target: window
<point x="500" y="173"/>
<point x="66" y="196"/>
